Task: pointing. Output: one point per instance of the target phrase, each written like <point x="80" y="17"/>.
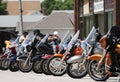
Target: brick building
<point x="31" y="14"/>
<point x="28" y="6"/>
<point x="99" y="13"/>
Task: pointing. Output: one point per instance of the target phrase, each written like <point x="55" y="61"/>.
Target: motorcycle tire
<point x="76" y="72"/>
<point x="44" y="63"/>
<point x="13" y="67"/>
<point x="53" y="63"/>
<point x="5" y="64"/>
<point x="37" y="66"/>
<point x="23" y="68"/>
<point x="95" y="74"/>
<point x="0" y="63"/>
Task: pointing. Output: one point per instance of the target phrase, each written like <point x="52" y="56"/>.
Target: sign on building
<point x="98" y="5"/>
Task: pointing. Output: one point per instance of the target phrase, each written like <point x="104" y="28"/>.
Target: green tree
<point x="3" y="8"/>
<point x="58" y="5"/>
<point x="50" y="5"/>
<point x="68" y="4"/>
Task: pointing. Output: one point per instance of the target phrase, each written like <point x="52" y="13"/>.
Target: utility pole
<point x="0" y="1"/>
<point x="21" y="18"/>
<point x="77" y="14"/>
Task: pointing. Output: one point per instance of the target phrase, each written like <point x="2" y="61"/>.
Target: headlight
<point x="118" y="45"/>
<point x="29" y="48"/>
<point x="78" y="51"/>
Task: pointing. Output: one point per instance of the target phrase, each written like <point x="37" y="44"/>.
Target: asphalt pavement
<point x="8" y="76"/>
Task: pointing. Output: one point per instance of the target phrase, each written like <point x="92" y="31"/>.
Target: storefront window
<point x="101" y="23"/>
<point x="110" y="19"/>
<point x="88" y="24"/>
<point x="97" y="0"/>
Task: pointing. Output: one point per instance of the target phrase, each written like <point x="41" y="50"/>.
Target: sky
<point x="41" y="0"/>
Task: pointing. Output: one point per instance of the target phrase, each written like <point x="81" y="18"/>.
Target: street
<point x="8" y="76"/>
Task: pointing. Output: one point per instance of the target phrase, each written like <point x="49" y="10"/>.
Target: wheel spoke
<point x="56" y="66"/>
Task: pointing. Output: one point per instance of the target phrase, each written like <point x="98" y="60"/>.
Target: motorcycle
<point x="5" y="62"/>
<point x="57" y="64"/>
<point x="100" y="68"/>
<point x="43" y="48"/>
<point x="77" y="65"/>
<point x="13" y="63"/>
<point x="58" y="49"/>
<point x="25" y="52"/>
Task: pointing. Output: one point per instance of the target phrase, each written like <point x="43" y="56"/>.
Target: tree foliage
<point x="3" y="8"/>
<point x="50" y="5"/>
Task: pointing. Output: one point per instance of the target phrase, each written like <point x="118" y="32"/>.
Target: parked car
<point x="6" y="35"/>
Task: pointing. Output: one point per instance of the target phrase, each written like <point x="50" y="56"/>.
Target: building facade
<point x="61" y="21"/>
<point x="28" y="6"/>
<point x="31" y="11"/>
<point x="99" y="13"/>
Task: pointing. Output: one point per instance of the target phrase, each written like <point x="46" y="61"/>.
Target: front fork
<point x="27" y="58"/>
<point x="63" y="58"/>
<point x="103" y="57"/>
<point x="106" y="59"/>
<point x="83" y="64"/>
<point x="108" y="62"/>
<point x="101" y="60"/>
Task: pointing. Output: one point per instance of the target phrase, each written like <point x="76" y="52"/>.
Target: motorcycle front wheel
<point x="13" y="67"/>
<point x="4" y="64"/>
<point x="37" y="66"/>
<point x="26" y="68"/>
<point x="44" y="63"/>
<point x="97" y="75"/>
<point x="77" y="70"/>
<point x="56" y="66"/>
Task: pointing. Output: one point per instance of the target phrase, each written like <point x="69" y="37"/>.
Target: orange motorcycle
<point x="101" y="66"/>
<point x="57" y="64"/>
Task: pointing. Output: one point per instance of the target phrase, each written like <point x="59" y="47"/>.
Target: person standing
<point x="22" y="38"/>
<point x="56" y="37"/>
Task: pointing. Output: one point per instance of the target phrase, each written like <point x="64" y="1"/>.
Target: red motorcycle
<point x="4" y="61"/>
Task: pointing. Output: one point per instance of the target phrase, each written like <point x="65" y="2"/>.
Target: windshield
<point x="29" y="38"/>
<point x="43" y="40"/>
<point x="16" y="42"/>
<point x="73" y="40"/>
<point x="65" y="38"/>
<point x="91" y="38"/>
